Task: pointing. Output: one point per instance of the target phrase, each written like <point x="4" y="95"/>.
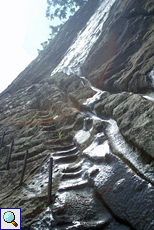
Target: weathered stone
<point x="134" y="115"/>
<point x="127" y="195"/>
<point x="101" y="142"/>
<point x="123" y="54"/>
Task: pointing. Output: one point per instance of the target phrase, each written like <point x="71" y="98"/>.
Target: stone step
<point x="66" y="152"/>
<point x="16" y="163"/>
<point x="74" y="184"/>
<point x="58" y="143"/>
<point x="87" y="225"/>
<point x="64" y="148"/>
<point x="31" y="152"/>
<point x="72" y="175"/>
<point x="66" y="159"/>
<point x="75" y="168"/>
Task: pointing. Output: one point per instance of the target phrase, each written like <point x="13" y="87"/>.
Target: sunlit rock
<point x="87" y="102"/>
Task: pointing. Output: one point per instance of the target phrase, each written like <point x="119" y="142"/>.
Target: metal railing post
<point x="9" y="155"/>
<point x="2" y="139"/>
<point x="50" y="181"/>
<point x="24" y="167"/>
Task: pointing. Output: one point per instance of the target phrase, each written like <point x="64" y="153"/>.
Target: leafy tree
<point x="54" y="31"/>
<point x="62" y="8"/>
<point x="44" y="45"/>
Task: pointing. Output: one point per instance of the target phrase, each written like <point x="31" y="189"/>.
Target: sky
<point x="23" y="27"/>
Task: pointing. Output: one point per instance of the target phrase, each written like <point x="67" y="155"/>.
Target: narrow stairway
<point x="71" y="171"/>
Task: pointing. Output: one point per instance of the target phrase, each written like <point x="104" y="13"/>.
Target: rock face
<point x="87" y="101"/>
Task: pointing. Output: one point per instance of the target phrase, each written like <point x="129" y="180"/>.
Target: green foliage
<point x="62" y="8"/>
<point x="44" y="45"/>
<point x="54" y="31"/>
<point x="60" y="133"/>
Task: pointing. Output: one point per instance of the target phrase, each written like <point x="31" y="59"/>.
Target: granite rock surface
<point x="95" y="118"/>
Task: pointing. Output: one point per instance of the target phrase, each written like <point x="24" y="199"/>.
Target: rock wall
<point x="123" y="54"/>
<point x="97" y="126"/>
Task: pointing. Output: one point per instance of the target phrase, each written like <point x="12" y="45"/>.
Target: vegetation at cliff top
<point x="61" y="9"/>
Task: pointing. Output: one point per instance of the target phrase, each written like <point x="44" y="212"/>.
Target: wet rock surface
<point x="134" y="115"/>
<point x="101" y="142"/>
<point x="123" y="54"/>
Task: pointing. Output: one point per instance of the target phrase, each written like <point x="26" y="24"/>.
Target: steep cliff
<point x="87" y="101"/>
